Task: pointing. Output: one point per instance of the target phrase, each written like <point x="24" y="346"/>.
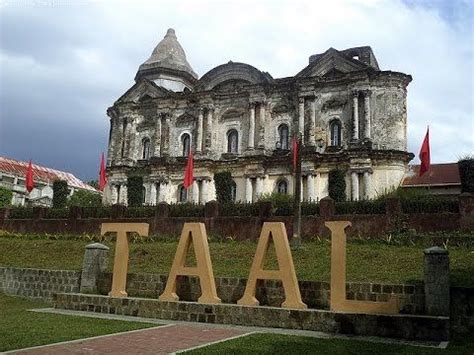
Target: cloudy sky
<point x="62" y="63"/>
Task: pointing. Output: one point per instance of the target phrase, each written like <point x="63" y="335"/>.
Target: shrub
<point x="56" y="213"/>
<point x="135" y="190"/>
<point x="187" y="209"/>
<point x="85" y="198"/>
<point x="360" y="207"/>
<point x="309" y="208"/>
<point x="21" y="213"/>
<point x="139" y="212"/>
<point x="60" y="194"/>
<point x="283" y="204"/>
<point x="466" y="173"/>
<point x="238" y="209"/>
<point x="430" y="204"/>
<point x="6" y="196"/>
<point x="337" y="185"/>
<point x="223" y="182"/>
<point x="96" y="212"/>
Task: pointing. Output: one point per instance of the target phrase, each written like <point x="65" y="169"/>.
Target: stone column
<point x="355" y="185"/>
<point x="157" y="152"/>
<point x="94" y="263"/>
<point x="318" y="186"/>
<point x="259" y="186"/>
<point x="133" y="139"/>
<point x="367" y="185"/>
<point x="367" y="114"/>
<point x="209" y="129"/>
<point x="199" y="132"/>
<point x="195" y="191"/>
<point x="166" y="148"/>
<point x="261" y="133"/>
<point x="113" y="194"/>
<point x="312" y="123"/>
<point x="163" y="191"/>
<point x="204" y="197"/>
<point x="436" y="281"/>
<point x="248" y="189"/>
<point x="310" y="185"/>
<point x="123" y="199"/>
<point x="152" y="200"/>
<point x="301" y="118"/>
<point x="355" y="122"/>
<point x="251" y="126"/>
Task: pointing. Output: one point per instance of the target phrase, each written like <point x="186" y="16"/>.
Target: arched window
<point x="283" y="133"/>
<point x="186" y="142"/>
<point x="232" y="141"/>
<point x="282" y="187"/>
<point x="233" y="191"/>
<point x="335" y="129"/>
<point x="182" y="194"/>
<point x="146" y="148"/>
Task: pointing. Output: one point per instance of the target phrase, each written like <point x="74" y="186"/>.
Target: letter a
<point x="286" y="269"/>
<point x="194" y="233"/>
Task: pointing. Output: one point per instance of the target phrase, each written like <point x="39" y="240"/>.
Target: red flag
<point x="102" y="176"/>
<point x="425" y="153"/>
<point x="29" y="183"/>
<point x="294" y="145"/>
<point x="188" y="173"/>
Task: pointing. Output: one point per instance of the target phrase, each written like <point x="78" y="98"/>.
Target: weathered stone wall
<point x="315" y="294"/>
<point x="396" y="326"/>
<point x="37" y="283"/>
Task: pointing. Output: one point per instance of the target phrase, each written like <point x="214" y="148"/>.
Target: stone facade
<point x="348" y="113"/>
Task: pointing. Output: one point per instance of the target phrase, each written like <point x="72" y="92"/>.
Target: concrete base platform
<point x="410" y="327"/>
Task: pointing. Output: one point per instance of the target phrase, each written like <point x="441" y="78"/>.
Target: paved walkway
<point x="160" y="340"/>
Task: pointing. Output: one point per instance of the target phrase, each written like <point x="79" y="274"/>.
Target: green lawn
<point x="374" y="262"/>
<point x="289" y="344"/>
<point x="20" y="328"/>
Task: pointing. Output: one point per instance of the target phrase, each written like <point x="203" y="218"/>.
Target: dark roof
<point x="437" y="175"/>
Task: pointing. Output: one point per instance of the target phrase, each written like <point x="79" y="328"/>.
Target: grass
<point x="20" y="328"/>
<point x="289" y="344"/>
<point x="366" y="262"/>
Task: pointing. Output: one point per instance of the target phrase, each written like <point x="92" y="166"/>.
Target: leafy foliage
<point x="60" y="193"/>
<point x="238" y="209"/>
<point x="96" y="212"/>
<point x="466" y="173"/>
<point x="85" y="198"/>
<point x="223" y="181"/>
<point x="187" y="209"/>
<point x="6" y="196"/>
<point x="139" y="212"/>
<point x="283" y="204"/>
<point x="135" y="190"/>
<point x="21" y="213"/>
<point x="337" y="185"/>
<point x="56" y="213"/>
<point x="360" y="207"/>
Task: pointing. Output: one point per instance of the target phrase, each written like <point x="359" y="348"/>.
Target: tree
<point x="94" y="184"/>
<point x="6" y="196"/>
<point x="223" y="181"/>
<point x="60" y="193"/>
<point x="466" y="173"/>
<point x="85" y="198"/>
<point x="337" y="185"/>
<point x="135" y="190"/>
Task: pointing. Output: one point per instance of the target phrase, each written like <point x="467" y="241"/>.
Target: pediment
<point x="185" y="119"/>
<point x="332" y="64"/>
<point x="143" y="91"/>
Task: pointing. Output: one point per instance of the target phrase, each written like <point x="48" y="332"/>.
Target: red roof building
<point x="440" y="179"/>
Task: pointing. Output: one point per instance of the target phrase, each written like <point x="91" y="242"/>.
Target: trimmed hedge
<point x="96" y="212"/>
<point x="466" y="173"/>
<point x="360" y="207"/>
<point x="309" y="208"/>
<point x="140" y="212"/>
<point x="239" y="209"/>
<point x="223" y="182"/>
<point x="56" y="213"/>
<point x="430" y="205"/>
<point x="21" y="213"/>
<point x="60" y="193"/>
<point x="6" y="196"/>
<point x="187" y="209"/>
<point x="337" y="185"/>
<point x="135" y="191"/>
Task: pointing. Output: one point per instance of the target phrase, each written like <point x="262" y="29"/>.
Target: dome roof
<point x="167" y="56"/>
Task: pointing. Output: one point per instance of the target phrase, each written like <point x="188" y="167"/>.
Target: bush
<point x="466" y="173"/>
<point x="337" y="185"/>
<point x="238" y="209"/>
<point x="139" y="212"/>
<point x="309" y="208"/>
<point x="96" y="212"/>
<point x="360" y="207"/>
<point x="283" y="204"/>
<point x="6" y="196"/>
<point x="223" y="182"/>
<point x="85" y="198"/>
<point x="56" y="213"/>
<point x="430" y="204"/>
<point x="60" y="194"/>
<point x="21" y="213"/>
<point x="187" y="209"/>
<point x="135" y="191"/>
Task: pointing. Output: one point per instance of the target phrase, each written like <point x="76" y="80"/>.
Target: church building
<point x="350" y="114"/>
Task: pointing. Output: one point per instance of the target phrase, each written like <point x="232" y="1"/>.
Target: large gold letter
<point x="339" y="303"/>
<point x="286" y="269"/>
<point x="192" y="233"/>
<point x="119" y="279"/>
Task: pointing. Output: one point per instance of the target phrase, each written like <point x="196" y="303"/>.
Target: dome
<point x="168" y="62"/>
